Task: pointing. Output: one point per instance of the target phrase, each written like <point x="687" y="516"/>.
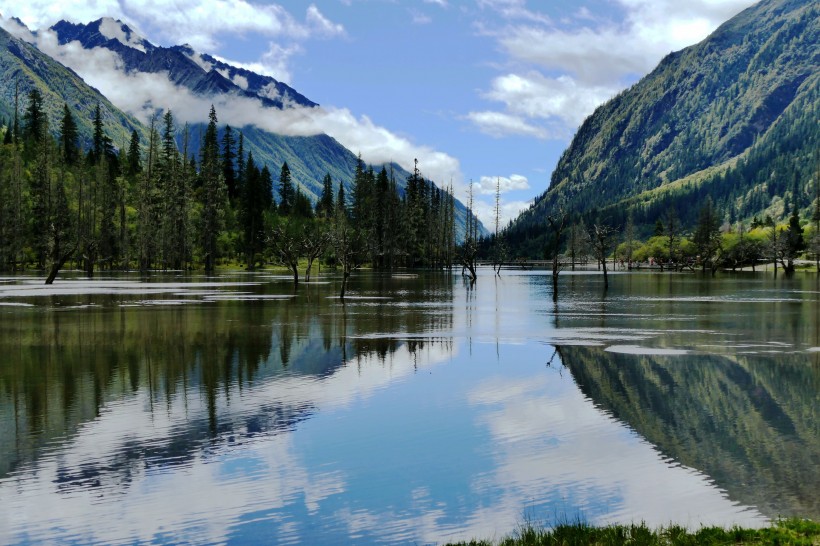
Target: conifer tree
<point x="133" y="160"/>
<point x="213" y="194"/>
<point x="228" y="158"/>
<point x="252" y="206"/>
<point x="341" y="201"/>
<point x="286" y="191"/>
<point x="267" y="189"/>
<point x="68" y="137"/>
<point x="324" y="207"/>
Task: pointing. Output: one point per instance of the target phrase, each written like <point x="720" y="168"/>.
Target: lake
<point x="235" y="409"/>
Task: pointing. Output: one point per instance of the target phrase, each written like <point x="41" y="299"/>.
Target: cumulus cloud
<point x="533" y="95"/>
<point x="587" y="60"/>
<point x="488" y="184"/>
<point x="485" y="211"/>
<point x="500" y="124"/>
<point x="275" y="62"/>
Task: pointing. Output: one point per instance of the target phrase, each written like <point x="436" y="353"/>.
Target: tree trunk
<point x="345" y="276"/>
<point x="294" y="267"/>
<point x="57" y="265"/>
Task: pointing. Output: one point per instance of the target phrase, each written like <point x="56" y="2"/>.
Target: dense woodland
<point x="572" y="240"/>
<point x="154" y="206"/>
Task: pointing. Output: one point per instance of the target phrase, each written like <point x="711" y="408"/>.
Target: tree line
<point x="158" y="206"/>
<point x="711" y="244"/>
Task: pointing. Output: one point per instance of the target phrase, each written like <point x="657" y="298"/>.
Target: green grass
<point x="791" y="531"/>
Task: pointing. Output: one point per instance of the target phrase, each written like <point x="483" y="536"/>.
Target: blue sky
<point x="481" y="90"/>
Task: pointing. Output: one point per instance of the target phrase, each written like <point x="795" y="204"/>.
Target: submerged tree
<point x="469" y="250"/>
<point x="557" y="224"/>
<point x="602" y="238"/>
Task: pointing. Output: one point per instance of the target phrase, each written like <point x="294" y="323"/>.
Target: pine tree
<point x="324" y="207"/>
<point x="68" y="137"/>
<point x="267" y="189"/>
<point x="286" y="191"/>
<point x="252" y="212"/>
<point x="98" y="142"/>
<point x="228" y="158"/>
<point x="213" y="194"/>
<point x="707" y="236"/>
<point x="34" y="118"/>
<point x="341" y="201"/>
<point x="133" y="160"/>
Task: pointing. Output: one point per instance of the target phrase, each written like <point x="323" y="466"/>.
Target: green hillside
<point x="733" y="117"/>
<point x="24" y="67"/>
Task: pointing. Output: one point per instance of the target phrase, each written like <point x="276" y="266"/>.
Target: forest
<point x="155" y="206"/>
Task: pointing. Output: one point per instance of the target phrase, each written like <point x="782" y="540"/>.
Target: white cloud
<point x="485" y="210"/>
<point x="113" y="30"/>
<point x="419" y="18"/>
<point x="487" y="185"/>
<point x="532" y="96"/>
<point x="275" y="62"/>
<point x="586" y="64"/>
<point x="500" y="124"/>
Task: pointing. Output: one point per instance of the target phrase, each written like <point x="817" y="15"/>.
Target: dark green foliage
<point x="68" y="137"/>
<point x="707" y="238"/>
<point x="133" y="160"/>
<point x="324" y="207"/>
<point x="213" y="194"/>
<point x="34" y="119"/>
<point x="228" y="159"/>
<point x="252" y="209"/>
<point x="287" y="194"/>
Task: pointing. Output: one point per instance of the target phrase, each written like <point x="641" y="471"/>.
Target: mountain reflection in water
<point x="422" y="410"/>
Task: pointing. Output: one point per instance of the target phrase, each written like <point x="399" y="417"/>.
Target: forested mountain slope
<point x="23" y="67"/>
<point x="734" y="117"/>
<point x="310" y="158"/>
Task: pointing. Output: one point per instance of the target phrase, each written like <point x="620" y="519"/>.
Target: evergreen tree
<point x="267" y="189"/>
<point x="98" y="142"/>
<point x="228" y="158"/>
<point x="40" y="183"/>
<point x="252" y="212"/>
<point x="133" y="160"/>
<point x="34" y="119"/>
<point x="324" y="207"/>
<point x="341" y="201"/>
<point x="68" y="137"/>
<point x="213" y="194"/>
<point x="794" y="243"/>
<point x="707" y="236"/>
<point x="286" y="191"/>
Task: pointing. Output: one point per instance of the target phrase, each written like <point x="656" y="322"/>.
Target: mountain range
<point x="734" y="117"/>
<point x="309" y="158"/>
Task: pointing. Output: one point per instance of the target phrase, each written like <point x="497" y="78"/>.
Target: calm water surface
<point x="233" y="409"/>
